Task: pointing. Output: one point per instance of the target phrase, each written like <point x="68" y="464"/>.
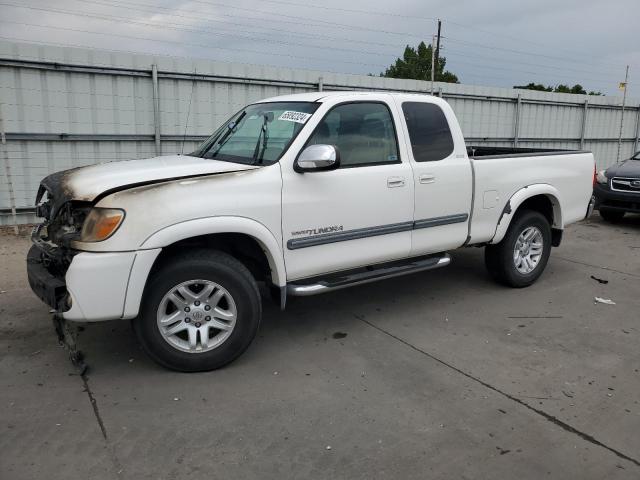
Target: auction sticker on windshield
<point x="291" y="116"/>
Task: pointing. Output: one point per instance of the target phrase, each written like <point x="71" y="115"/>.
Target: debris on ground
<point x="339" y="335"/>
<point x="606" y="301"/>
<point x="328" y="447"/>
<point x="600" y="280"/>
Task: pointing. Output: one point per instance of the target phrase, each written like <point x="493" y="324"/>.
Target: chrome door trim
<point x="438" y="221"/>
<point x="323" y="239"/>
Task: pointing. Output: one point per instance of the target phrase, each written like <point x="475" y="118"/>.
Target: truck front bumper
<point x="94" y="286"/>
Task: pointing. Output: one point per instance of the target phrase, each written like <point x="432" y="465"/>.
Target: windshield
<point x="636" y="156"/>
<point x="259" y="134"/>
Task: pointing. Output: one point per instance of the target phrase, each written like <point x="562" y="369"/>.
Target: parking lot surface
<point x="441" y="374"/>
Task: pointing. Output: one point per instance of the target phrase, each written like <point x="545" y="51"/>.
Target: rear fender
<point x="519" y="198"/>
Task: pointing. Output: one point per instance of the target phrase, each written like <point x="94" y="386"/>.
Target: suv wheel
<point x="520" y="258"/>
<point x="200" y="311"/>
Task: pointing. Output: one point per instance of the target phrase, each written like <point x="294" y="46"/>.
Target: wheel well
<point x="539" y="203"/>
<point x="242" y="247"/>
<point x="546" y="206"/>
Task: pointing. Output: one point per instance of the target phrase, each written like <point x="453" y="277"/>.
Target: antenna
<point x="186" y="124"/>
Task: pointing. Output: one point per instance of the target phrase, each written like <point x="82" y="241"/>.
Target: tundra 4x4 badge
<point x="318" y="231"/>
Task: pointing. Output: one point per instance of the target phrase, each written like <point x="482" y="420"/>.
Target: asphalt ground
<point x="440" y="374"/>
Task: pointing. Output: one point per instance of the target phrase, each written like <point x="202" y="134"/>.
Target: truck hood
<point x="628" y="168"/>
<point x="89" y="183"/>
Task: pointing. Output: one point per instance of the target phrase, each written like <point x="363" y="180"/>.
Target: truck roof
<point x="320" y="96"/>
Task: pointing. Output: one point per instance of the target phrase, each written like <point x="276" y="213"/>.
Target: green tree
<point x="415" y="64"/>
<point x="561" y="88"/>
<point x="534" y="86"/>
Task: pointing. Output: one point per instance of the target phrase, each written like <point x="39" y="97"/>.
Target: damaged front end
<point x="50" y="257"/>
<point x="51" y="254"/>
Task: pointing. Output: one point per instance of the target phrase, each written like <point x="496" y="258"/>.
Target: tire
<point x="612" y="216"/>
<point x="174" y="328"/>
<point x="500" y="259"/>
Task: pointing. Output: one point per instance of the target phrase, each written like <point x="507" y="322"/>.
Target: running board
<point x="370" y="274"/>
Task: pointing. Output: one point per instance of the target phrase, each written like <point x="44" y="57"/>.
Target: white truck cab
<point x="306" y="193"/>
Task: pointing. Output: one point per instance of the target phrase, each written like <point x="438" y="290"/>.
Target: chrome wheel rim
<point x="528" y="250"/>
<point x="196" y="316"/>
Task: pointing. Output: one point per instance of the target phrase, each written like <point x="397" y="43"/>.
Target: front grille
<point x="629" y="185"/>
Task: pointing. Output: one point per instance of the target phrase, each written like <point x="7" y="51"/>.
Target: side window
<point x="363" y="132"/>
<point x="428" y="131"/>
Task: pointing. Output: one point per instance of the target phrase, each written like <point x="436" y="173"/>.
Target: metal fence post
<point x="320" y="84"/>
<point x="7" y="171"/>
<point x="156" y="108"/>
<point x="637" y="141"/>
<point x="583" y="128"/>
<point x="516" y="125"/>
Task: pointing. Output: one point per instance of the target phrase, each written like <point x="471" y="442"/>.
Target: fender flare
<point x="224" y="224"/>
<point x="518" y="199"/>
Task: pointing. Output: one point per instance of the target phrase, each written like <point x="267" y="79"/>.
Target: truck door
<point x="359" y="214"/>
<point x="442" y="177"/>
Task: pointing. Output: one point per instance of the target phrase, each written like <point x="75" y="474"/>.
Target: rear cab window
<point x="429" y="131"/>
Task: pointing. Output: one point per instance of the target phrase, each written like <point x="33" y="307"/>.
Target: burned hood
<point x="86" y="184"/>
<point x="628" y="169"/>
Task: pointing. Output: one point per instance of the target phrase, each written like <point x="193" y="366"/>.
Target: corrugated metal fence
<point x="67" y="107"/>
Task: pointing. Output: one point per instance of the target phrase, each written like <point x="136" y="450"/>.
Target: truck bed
<point x="498" y="175"/>
<point x="480" y="152"/>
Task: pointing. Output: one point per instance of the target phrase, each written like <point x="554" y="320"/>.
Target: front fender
<point x="224" y="224"/>
<point x="518" y="198"/>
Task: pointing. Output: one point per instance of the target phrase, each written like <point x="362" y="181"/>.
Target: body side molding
<point x="323" y="239"/>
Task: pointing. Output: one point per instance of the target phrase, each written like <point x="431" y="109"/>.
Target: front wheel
<point x="520" y="258"/>
<point x="200" y="311"/>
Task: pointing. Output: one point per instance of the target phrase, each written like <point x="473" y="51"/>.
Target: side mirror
<point x="317" y="158"/>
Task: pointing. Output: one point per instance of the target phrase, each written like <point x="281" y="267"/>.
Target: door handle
<point x="427" y="178"/>
<point x="393" y="182"/>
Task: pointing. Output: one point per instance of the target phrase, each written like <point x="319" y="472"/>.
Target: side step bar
<point x="370" y="274"/>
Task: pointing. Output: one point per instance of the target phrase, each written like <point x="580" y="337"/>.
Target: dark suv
<point x="617" y="189"/>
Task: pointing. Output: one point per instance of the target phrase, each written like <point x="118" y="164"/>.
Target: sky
<point x="491" y="42"/>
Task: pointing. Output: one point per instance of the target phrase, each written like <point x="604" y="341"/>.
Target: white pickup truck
<point x="305" y="193"/>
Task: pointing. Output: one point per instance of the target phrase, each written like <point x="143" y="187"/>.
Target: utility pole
<point x="624" y="99"/>
<point x="438" y="43"/>
<point x="433" y="60"/>
<point x="7" y="171"/>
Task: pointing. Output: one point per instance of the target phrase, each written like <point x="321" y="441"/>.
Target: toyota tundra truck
<point x="303" y="194"/>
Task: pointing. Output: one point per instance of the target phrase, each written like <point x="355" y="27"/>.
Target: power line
<point x="119" y="19"/>
<point x="418" y="17"/>
<point x="357" y="27"/>
<point x="458" y="53"/>
<point x="490" y="67"/>
<point x="244" y="50"/>
<point x="518" y="52"/>
<point x="318" y="23"/>
<point x="115" y="4"/>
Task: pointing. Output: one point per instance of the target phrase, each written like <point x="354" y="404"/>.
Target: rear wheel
<point x="612" y="215"/>
<point x="201" y="310"/>
<point x="522" y="255"/>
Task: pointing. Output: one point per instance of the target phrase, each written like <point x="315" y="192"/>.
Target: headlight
<point x="602" y="178"/>
<point x="101" y="223"/>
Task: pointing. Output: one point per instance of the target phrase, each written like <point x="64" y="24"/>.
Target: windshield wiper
<point x="258" y="152"/>
<point x="227" y="134"/>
